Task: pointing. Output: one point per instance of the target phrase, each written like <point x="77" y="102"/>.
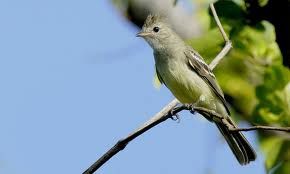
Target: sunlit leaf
<point x="271" y="147"/>
<point x="273" y="96"/>
<point x="277" y="152"/>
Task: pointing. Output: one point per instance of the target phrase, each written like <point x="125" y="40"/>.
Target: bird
<point x="184" y="72"/>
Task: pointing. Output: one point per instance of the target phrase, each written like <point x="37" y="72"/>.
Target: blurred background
<point x="75" y="79"/>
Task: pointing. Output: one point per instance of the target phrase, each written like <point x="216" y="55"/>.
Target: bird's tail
<point x="238" y="143"/>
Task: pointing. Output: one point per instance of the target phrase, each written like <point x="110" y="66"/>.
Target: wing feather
<point x="197" y="64"/>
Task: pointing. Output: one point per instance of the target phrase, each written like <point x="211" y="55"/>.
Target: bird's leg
<point x="190" y="107"/>
<point x="173" y="114"/>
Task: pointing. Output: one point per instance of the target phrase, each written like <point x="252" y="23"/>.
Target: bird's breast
<point x="184" y="83"/>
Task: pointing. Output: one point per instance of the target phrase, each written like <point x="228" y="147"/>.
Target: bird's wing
<point x="197" y="64"/>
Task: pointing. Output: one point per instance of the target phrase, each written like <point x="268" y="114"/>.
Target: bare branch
<point x="218" y="22"/>
<point x="228" y="43"/>
<point x="284" y="129"/>
<point x="164" y="114"/>
<point x="215" y="115"/>
<point x="161" y="116"/>
<point x="167" y="112"/>
<point x="221" y="55"/>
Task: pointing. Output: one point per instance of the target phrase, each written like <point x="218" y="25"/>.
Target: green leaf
<point x="274" y="97"/>
<point x="277" y="153"/>
<point x="283" y="167"/>
<point x="262" y="3"/>
<point x="257" y="42"/>
<point x="271" y="147"/>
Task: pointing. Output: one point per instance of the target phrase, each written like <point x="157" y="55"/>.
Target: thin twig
<point x="217" y="116"/>
<point x="167" y="112"/>
<point x="218" y="22"/>
<point x="221" y="55"/>
<point x="284" y="129"/>
<point x="228" y="43"/>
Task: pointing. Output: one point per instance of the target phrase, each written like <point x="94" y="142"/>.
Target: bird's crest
<point x="152" y="19"/>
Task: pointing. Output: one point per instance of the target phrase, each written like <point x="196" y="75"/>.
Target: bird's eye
<point x="156" y="29"/>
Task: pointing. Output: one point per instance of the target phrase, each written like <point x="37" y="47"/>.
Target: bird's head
<point x="156" y="32"/>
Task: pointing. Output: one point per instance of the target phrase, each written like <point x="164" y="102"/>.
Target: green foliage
<point x="240" y="73"/>
<point x="271" y="147"/>
<point x="252" y="76"/>
<point x="258" y="42"/>
<point x="263" y="2"/>
<point x="229" y="13"/>
<point x="274" y="97"/>
<point x="274" y="109"/>
<point x="277" y="153"/>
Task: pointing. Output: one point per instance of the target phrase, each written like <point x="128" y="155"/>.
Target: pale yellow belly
<point x="188" y="87"/>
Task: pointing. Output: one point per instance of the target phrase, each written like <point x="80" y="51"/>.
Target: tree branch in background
<point x="284" y="129"/>
<point x="212" y="114"/>
<point x="228" y="44"/>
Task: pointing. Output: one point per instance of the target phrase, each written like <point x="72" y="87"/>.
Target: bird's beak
<point x="142" y="34"/>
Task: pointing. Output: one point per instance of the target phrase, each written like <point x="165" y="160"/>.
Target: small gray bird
<point x="191" y="81"/>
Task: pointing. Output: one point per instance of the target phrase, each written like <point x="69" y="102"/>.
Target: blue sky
<point x="74" y="80"/>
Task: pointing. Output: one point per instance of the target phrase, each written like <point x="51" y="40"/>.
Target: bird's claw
<point x="174" y="116"/>
<point x="190" y="107"/>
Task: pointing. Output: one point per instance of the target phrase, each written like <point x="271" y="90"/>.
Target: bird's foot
<point x="175" y="118"/>
<point x="173" y="115"/>
<point x="190" y="107"/>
